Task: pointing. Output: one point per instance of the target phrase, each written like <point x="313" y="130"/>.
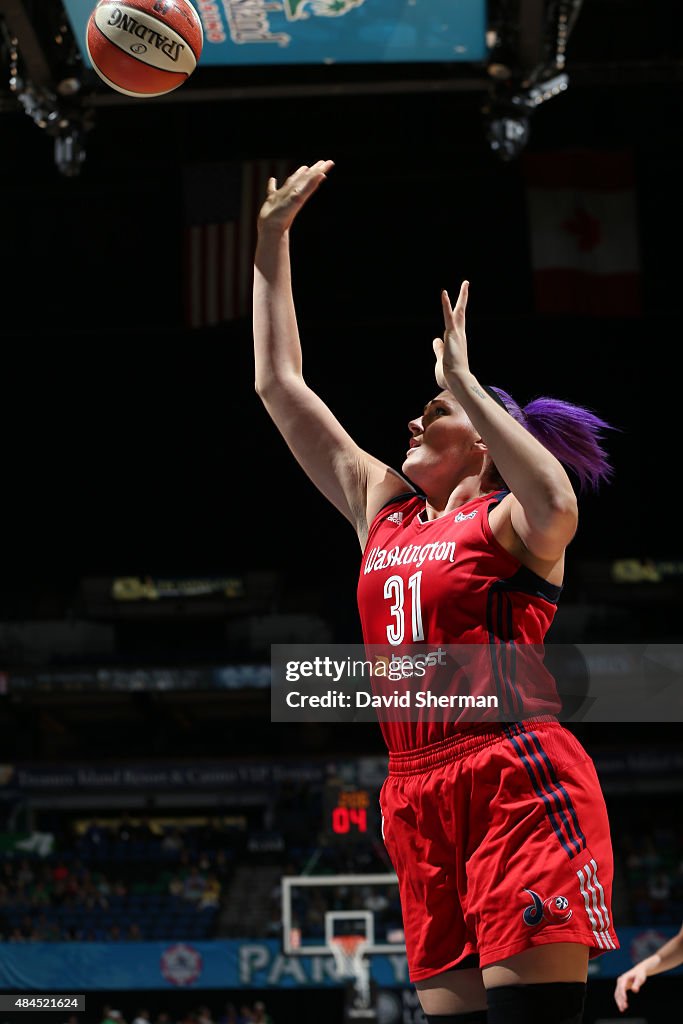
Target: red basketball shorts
<point x="500" y="841"/>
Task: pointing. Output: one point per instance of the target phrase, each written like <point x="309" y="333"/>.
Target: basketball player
<point x="667" y="957"/>
<point x="498" y="833"/>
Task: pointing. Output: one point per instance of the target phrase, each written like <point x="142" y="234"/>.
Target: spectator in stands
<point x="229" y="1015"/>
<point x="126" y="829"/>
<point x="374" y="899"/>
<point x="193" y="885"/>
<point x="142" y="1017"/>
<point x="659" y="891"/>
<point x="221" y="865"/>
<point x="134" y="933"/>
<point x="120" y="888"/>
<point x="103" y="888"/>
<point x="211" y="895"/>
<point x="46" y="930"/>
<point x="25" y="875"/>
<point x="40" y="895"/>
<point x="92" y="895"/>
<point x="111" y="1016"/>
<point x="260" y="1015"/>
<point x="59" y="895"/>
<point x="144" y="832"/>
<point x="646" y="856"/>
<point x="95" y="835"/>
<point x="60" y="872"/>
<point x="667" y="957"/>
<point x="172" y="841"/>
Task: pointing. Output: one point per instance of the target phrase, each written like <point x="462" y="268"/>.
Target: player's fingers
<point x="461" y="304"/>
<point x="447" y="310"/>
<point x="307" y="186"/>
<point x="437" y="345"/>
<point x="297" y="173"/>
<point x="271" y="186"/>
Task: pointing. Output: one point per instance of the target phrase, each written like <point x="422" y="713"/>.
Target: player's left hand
<point x="632" y="980"/>
<point x="451" y="350"/>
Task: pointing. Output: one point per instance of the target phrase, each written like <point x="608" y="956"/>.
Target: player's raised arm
<point x="542" y="505"/>
<point x="356" y="483"/>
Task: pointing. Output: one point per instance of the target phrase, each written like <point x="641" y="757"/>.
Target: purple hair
<point x="570" y="432"/>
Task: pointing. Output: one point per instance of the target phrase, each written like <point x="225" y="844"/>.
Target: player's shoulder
<point x="399" y="500"/>
<point x="386" y="505"/>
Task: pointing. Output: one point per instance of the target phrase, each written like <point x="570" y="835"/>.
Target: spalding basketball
<point x="144" y="47"/>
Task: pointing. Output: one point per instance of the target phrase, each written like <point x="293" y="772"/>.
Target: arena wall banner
<point x="329" y="31"/>
<point x="225" y="776"/>
<point x="228" y="963"/>
<point x="161" y="679"/>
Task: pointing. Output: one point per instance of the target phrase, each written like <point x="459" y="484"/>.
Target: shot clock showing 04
<point x="350" y="814"/>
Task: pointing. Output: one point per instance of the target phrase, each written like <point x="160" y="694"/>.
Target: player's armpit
<point x="382" y="484"/>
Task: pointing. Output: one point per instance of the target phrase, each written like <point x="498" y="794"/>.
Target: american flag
<point x="222" y="201"/>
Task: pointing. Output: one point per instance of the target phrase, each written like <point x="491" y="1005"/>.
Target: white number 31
<point x="394" y="590"/>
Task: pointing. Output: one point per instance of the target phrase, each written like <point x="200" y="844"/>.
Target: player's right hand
<point x="632" y="979"/>
<point x="282" y="204"/>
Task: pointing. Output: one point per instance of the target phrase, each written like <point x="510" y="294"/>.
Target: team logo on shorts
<point x="554" y="910"/>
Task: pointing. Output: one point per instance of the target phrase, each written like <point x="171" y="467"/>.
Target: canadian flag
<point x="583" y="231"/>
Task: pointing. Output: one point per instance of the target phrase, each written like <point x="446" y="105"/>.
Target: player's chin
<point x="411" y="465"/>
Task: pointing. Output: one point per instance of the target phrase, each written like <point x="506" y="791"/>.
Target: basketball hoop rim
<point x="353" y="942"/>
<point x="347" y="951"/>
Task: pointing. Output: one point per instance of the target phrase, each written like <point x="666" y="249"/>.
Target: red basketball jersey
<point x="449" y="581"/>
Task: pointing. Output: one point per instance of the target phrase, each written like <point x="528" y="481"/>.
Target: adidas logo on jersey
<point x="395" y="517"/>
<point x="462" y="516"/>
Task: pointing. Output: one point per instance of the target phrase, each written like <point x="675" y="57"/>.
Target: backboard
<point x="318" y="908"/>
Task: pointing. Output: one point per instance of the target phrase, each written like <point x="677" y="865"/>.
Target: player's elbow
<point x="562" y="505"/>
<point x="559" y="516"/>
<point x="270" y="386"/>
<point x="266" y="387"/>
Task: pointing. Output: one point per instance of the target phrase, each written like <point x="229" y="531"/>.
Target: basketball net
<point x="348" y="953"/>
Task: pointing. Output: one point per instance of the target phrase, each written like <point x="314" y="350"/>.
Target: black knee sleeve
<point x="555" y="1002"/>
<point x="476" y="1017"/>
